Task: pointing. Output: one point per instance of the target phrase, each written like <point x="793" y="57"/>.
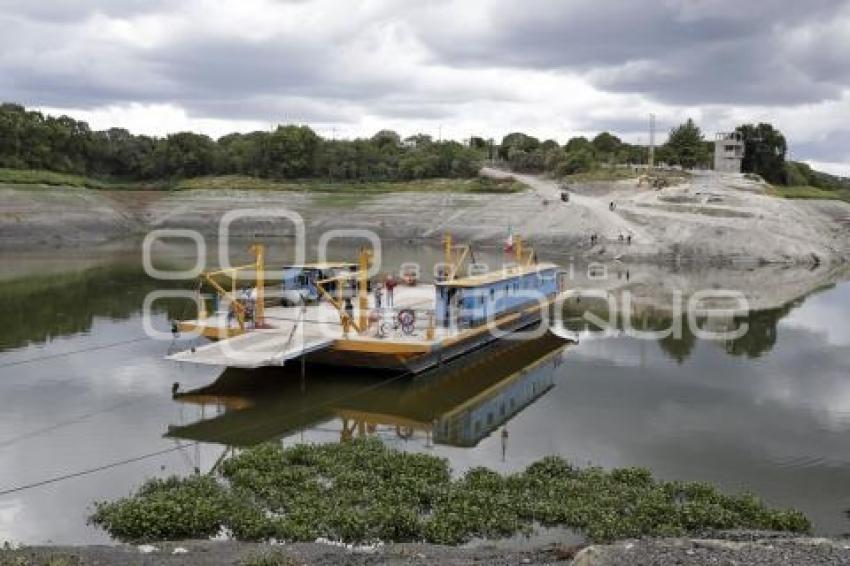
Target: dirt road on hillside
<point x="591" y="214"/>
<point x="709" y="217"/>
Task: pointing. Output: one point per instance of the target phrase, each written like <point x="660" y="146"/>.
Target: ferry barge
<point x="327" y="312"/>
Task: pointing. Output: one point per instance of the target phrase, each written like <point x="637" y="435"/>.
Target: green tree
<point x="387" y="139"/>
<point x="118" y="153"/>
<point x="241" y="153"/>
<point x="764" y="152"/>
<point x="606" y="143"/>
<point x="579" y="142"/>
<point x="549" y="145"/>
<point x="13" y="139"/>
<point x="477" y="142"/>
<point x="686" y="145"/>
<point x="289" y="152"/>
<point x="577" y="161"/>
<point x="517" y="141"/>
<point x="185" y="155"/>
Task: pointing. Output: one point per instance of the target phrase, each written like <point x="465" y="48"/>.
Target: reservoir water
<point x="87" y="413"/>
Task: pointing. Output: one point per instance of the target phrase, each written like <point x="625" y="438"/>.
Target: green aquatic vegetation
<point x="364" y="491"/>
<point x="169" y="509"/>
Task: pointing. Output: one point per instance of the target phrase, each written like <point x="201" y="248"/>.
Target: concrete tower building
<point x="728" y="152"/>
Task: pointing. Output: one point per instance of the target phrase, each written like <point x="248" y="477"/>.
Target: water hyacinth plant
<point x="363" y="491"/>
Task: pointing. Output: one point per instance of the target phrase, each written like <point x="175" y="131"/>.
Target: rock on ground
<point x="726" y="551"/>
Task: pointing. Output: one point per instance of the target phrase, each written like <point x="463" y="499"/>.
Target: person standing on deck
<point x="378" y="295"/>
<point x="349" y="314"/>
<point x="390" y="285"/>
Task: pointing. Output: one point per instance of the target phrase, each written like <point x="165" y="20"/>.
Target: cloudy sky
<point x="551" y="68"/>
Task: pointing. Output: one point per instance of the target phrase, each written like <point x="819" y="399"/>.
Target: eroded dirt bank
<point x="711" y="219"/>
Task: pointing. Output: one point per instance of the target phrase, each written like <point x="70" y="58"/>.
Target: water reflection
<point x="759" y="339"/>
<point x="457" y="404"/>
<point x="39" y="308"/>
<point x="769" y="412"/>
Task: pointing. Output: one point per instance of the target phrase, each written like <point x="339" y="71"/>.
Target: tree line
<point x="31" y="140"/>
<point x="686" y="147"/>
<point x="765" y="149"/>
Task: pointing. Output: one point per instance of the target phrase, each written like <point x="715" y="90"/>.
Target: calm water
<point x="82" y="388"/>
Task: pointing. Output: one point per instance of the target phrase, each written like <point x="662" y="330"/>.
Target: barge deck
<point x="426" y="325"/>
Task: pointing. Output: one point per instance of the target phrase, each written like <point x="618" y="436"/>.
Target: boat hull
<point x="417" y="360"/>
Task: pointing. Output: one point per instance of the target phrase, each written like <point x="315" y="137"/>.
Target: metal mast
<point x="651" y="142"/>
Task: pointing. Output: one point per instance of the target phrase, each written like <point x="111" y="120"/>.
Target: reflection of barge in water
<point x="427" y="324"/>
<point x="457" y="404"/>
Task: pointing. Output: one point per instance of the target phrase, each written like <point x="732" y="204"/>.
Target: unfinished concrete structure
<point x="728" y="152"/>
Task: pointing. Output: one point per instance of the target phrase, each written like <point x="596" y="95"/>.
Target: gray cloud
<point x="684" y="52"/>
<point x="60" y="11"/>
<point x="833" y="146"/>
<point x="466" y="63"/>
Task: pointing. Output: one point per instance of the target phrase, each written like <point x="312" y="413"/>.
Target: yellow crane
<point x="239" y="309"/>
<point x="361" y="276"/>
<point x="524" y="256"/>
<point x="455" y="255"/>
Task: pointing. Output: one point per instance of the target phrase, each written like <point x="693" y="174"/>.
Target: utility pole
<point x="651" y="142"/>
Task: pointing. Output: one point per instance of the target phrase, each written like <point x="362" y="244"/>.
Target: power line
<point x="56" y="479"/>
<point x="73" y="352"/>
<point x="15" y="439"/>
<point x="32" y="433"/>
<point x="142" y="457"/>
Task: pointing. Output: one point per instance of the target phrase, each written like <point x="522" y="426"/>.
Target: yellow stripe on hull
<point x="376" y="347"/>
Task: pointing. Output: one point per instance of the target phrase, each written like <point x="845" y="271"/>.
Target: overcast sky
<point x="487" y="67"/>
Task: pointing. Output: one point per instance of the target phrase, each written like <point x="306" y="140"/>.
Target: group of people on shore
<point x="594" y="239"/>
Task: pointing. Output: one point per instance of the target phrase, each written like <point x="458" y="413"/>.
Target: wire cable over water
<point x="73" y="352"/>
<point x="142" y="457"/>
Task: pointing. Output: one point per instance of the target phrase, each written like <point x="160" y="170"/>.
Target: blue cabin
<point x="474" y="422"/>
<point x="471" y="301"/>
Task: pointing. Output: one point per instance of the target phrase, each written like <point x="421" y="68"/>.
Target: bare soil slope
<point x="710" y="219"/>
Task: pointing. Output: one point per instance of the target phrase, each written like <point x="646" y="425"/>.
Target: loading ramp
<point x="263" y="347"/>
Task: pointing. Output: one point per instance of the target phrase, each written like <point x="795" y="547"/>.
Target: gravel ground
<point x="720" y="548"/>
<point x="729" y="550"/>
<point x="197" y="553"/>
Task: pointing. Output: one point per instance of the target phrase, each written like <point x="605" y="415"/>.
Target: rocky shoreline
<point x="714" y="548"/>
<point x="708" y="220"/>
